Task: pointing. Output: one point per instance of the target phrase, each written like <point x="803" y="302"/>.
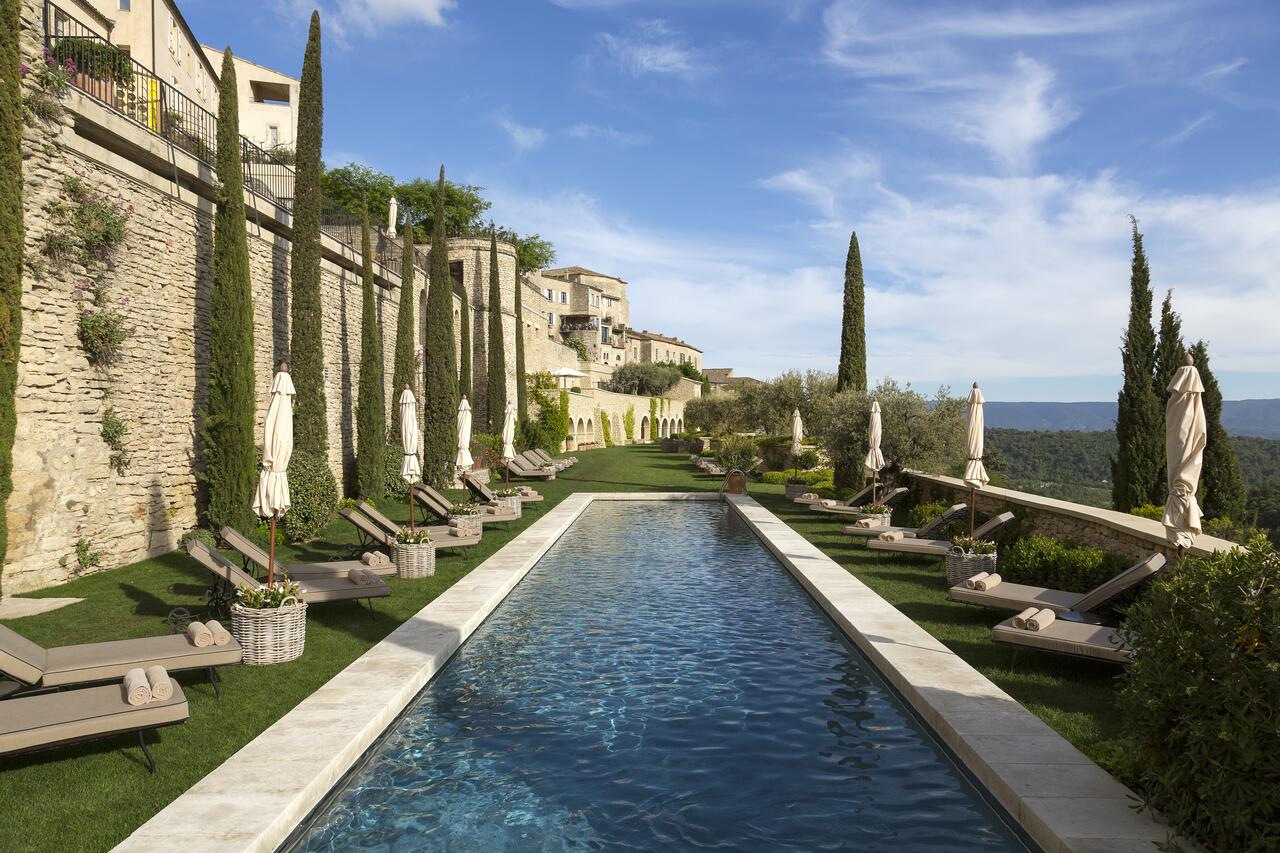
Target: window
<point x="551" y="318"/>
<point x="124" y="5"/>
<point x="173" y="35"/>
<point x="604" y="336"/>
<point x="635" y="352"/>
<point x="564" y="297"/>
<point x="273" y="135"/>
<point x="551" y="297"/>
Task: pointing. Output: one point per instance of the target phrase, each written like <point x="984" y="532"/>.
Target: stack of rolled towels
<point x="362" y="577"/>
<point x="809" y="497"/>
<point x="828" y="502"/>
<point x="982" y="581"/>
<point x="524" y="491"/>
<point x="891" y="536"/>
<point x="152" y="684"/>
<point x="205" y="634"/>
<point x="375" y="559"/>
<point x="868" y="523"/>
<point x="1034" y="619"/>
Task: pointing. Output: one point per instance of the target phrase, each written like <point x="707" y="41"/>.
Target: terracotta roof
<point x="565" y="272"/>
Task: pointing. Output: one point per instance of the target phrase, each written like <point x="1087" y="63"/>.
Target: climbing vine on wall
<point x="629" y="423"/>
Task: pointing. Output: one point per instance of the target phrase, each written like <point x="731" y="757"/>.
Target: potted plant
<point x="795" y="487"/>
<point x="414" y="553"/>
<point x="969" y="556"/>
<point x="878" y="514"/>
<point x="509" y="499"/>
<point x="465" y="518"/>
<point x="270" y="623"/>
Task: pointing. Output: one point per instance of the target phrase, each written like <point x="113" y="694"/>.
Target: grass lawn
<point x="91" y="797"/>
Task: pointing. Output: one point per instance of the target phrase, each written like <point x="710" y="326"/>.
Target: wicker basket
<point x="795" y="490"/>
<point x="511" y="505"/>
<point x="877" y="519"/>
<point x="270" y="635"/>
<point x="467" y="525"/>
<point x="961" y="565"/>
<point x="414" y="561"/>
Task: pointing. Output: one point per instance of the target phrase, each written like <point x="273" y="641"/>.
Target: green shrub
<point x="643" y="378"/>
<point x="820" y="475"/>
<point x="261" y="535"/>
<point x="1151" y="511"/>
<point x="1045" y="561"/>
<point x="1201" y="698"/>
<point x="1225" y="528"/>
<point x="397" y="488"/>
<point x="578" y="347"/>
<point x="808" y="459"/>
<point x="314" y="495"/>
<point x="199" y="534"/>
<point x="921" y="514"/>
<point x="737" y="451"/>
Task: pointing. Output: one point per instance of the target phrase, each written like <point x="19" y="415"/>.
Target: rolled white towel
<point x="828" y="502"/>
<point x="161" y="685"/>
<point x="1020" y="621"/>
<point x="1041" y="620"/>
<point x="972" y="581"/>
<point x="891" y="536"/>
<point x="137" y="690"/>
<point x="199" y="635"/>
<point x="359" y="577"/>
<point x="987" y="583"/>
<point x="221" y="636"/>
<point x="378" y="559"/>
<point x="371" y="575"/>
<point x="367" y="558"/>
<point x="866" y="523"/>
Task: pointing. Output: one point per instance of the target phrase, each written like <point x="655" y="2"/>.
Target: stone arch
<point x="680" y="425"/>
<point x="582" y="430"/>
<point x="644" y="428"/>
<point x="591" y="431"/>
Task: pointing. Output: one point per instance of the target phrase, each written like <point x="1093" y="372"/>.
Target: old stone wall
<point x="474" y="256"/>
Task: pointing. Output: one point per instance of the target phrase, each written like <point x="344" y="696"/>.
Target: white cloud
<point x="523" y="137"/>
<point x="1224" y="69"/>
<point x="652" y="47"/>
<point x="587" y="131"/>
<point x="1013" y="116"/>
<point x="825" y="183"/>
<point x="1187" y="130"/>
<point x="346" y="18"/>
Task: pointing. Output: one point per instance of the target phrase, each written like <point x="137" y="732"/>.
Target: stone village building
<point x="65" y="489"/>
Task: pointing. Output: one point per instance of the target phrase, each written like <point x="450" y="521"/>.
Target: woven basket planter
<point x="511" y="505"/>
<point x="878" y="519"/>
<point x="270" y="635"/>
<point x="795" y="490"/>
<point x="466" y="525"/>
<point x="961" y="565"/>
<point x="414" y="561"/>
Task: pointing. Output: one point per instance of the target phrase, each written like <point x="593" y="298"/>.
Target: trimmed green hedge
<point x="313" y="492"/>
<point x="1044" y="561"/>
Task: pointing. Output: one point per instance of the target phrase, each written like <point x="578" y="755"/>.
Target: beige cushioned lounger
<point x="541" y="456"/>
<point x="386" y="529"/>
<point x="1078" y="639"/>
<point x="951" y="514"/>
<point x="520" y="469"/>
<point x="314" y="590"/>
<point x="1016" y="596"/>
<point x="441" y="505"/>
<point x="938" y="547"/>
<point x="250" y="550"/>
<point x="888" y="498"/>
<point x="48" y="719"/>
<point x="482" y="491"/>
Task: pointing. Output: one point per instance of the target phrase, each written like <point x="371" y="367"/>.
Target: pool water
<point x="657" y="682"/>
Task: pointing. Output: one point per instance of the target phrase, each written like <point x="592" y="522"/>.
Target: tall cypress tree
<point x="404" y="368"/>
<point x="10" y="247"/>
<point x="227" y="425"/>
<point x="522" y="392"/>
<point x="1136" y="471"/>
<point x="1171" y="353"/>
<point x="1223" y="493"/>
<point x="497" y="355"/>
<point x="464" y="345"/>
<point x="371" y="418"/>
<point x="306" y="355"/>
<point x="852" y="372"/>
<point x="440" y="392"/>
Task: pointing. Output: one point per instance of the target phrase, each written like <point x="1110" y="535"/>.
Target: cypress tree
<point x="371" y="419"/>
<point x="10" y="247"/>
<point x="852" y="372"/>
<point x="522" y="392"/>
<point x="497" y="356"/>
<point x="1137" y="475"/>
<point x="227" y="428"/>
<point x="1223" y="493"/>
<point x="404" y="368"/>
<point x="464" y="345"/>
<point x="306" y="356"/>
<point x="1170" y="355"/>
<point x="440" y="392"/>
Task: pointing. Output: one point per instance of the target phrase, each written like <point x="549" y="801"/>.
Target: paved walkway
<point x="16" y="608"/>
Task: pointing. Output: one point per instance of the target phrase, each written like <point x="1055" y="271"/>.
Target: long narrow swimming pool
<point x="657" y="682"/>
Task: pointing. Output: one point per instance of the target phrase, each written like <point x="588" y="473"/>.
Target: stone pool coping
<point x="257" y="797"/>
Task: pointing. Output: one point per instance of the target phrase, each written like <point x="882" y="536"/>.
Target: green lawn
<point x="90" y="797"/>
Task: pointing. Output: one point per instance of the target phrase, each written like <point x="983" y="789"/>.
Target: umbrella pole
<point x="411" y="528"/>
<point x="875" y="475"/>
<point x="972" y="508"/>
<point x="271" y="556"/>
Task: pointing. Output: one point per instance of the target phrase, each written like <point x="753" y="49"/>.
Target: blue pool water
<point x="658" y="682"/>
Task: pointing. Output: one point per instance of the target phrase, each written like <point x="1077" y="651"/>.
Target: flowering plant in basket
<point x="508" y="492"/>
<point x="877" y="509"/>
<point x="269" y="596"/>
<point x="970" y="545"/>
<point x="466" y="508"/>
<point x="417" y="536"/>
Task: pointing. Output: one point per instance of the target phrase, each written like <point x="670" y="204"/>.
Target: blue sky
<point x="717" y="154"/>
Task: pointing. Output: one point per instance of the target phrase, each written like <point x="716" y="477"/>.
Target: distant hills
<point x="1259" y="418"/>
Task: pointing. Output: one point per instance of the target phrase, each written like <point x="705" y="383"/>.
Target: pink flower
<point x="24" y="69"/>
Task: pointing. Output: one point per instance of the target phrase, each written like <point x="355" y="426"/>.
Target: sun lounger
<point x="443" y="507"/>
<point x="1066" y="636"/>
<point x="1014" y="596"/>
<point x="858" y="498"/>
<point x="543" y="458"/>
<point x="43" y="721"/>
<point x="952" y="513"/>
<point x="940" y="547"/>
<point x="891" y="498"/>
<point x="37" y="667"/>
<point x="482" y="492"/>
<point x="517" y="468"/>
<point x="251" y="554"/>
<point x="374" y="533"/>
<point x="319" y="590"/>
<point x="535" y="460"/>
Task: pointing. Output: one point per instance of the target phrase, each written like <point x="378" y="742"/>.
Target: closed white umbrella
<point x="797" y="436"/>
<point x="1184" y="441"/>
<point x="875" y="459"/>
<point x="508" y="434"/>
<point x="463" y="460"/>
<point x="271" y="500"/>
<point x="975" y="473"/>
<point x="410" y="468"/>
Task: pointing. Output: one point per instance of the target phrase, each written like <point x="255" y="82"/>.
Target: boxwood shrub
<point x="1045" y="561"/>
<point x="314" y="496"/>
<point x="1201" y="698"/>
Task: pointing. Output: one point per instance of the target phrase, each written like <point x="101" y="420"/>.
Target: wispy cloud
<point x="1184" y="132"/>
<point x="652" y="47"/>
<point x="346" y="19"/>
<point x="825" y="183"/>
<point x="587" y="131"/>
<point x="1224" y="69"/>
<point x="523" y="137"/>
